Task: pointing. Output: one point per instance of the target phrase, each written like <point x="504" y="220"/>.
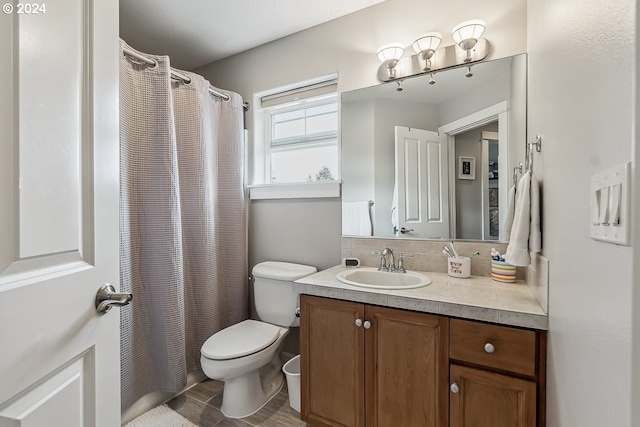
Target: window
<point x="296" y="141"/>
<point x="303" y="141"/>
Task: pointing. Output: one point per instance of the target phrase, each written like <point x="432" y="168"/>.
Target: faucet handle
<point x="401" y="258"/>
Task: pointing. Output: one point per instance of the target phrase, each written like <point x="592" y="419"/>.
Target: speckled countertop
<point x="476" y="298"/>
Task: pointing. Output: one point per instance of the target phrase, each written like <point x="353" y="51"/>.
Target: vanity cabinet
<point x="365" y="365"/>
<point x="374" y="366"/>
<point x="496" y="375"/>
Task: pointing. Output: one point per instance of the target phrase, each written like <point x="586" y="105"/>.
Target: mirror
<point x="434" y="161"/>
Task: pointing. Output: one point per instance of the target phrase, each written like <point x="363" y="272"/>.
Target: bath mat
<point x="161" y="416"/>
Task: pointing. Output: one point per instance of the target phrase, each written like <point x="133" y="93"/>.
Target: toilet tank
<point x="275" y="297"/>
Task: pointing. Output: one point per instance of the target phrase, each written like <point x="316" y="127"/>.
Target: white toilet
<point x="246" y="356"/>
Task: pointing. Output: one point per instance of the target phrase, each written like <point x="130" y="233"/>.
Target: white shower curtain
<point x="182" y="223"/>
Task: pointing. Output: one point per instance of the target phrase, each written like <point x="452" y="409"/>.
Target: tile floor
<point x="201" y="405"/>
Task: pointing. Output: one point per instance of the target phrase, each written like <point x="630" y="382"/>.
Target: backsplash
<point x="427" y="254"/>
<point x="537" y="277"/>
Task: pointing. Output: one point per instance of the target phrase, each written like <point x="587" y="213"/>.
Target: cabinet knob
<point x="367" y="324"/>
<point x="454" y="388"/>
<point x="358" y="322"/>
<point x="489" y="348"/>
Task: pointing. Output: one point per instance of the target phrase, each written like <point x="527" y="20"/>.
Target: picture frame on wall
<point x="466" y="167"/>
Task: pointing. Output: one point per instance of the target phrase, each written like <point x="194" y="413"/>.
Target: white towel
<point x="535" y="234"/>
<point x="356" y="220"/>
<point x="508" y="218"/>
<point x="525" y="233"/>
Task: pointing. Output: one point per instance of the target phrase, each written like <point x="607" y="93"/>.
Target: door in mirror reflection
<point x="421" y="199"/>
<point x="420" y="204"/>
<point x="477" y="194"/>
<point x="491" y="220"/>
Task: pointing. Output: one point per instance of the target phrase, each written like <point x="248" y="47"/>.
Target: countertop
<point x="476" y="298"/>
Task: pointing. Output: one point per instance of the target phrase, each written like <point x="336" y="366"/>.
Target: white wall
<point x="348" y="46"/>
<point x="584" y="109"/>
<point x="635" y="336"/>
<point x="581" y="99"/>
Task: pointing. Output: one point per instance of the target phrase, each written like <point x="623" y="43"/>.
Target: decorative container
<point x="459" y="267"/>
<point x="503" y="272"/>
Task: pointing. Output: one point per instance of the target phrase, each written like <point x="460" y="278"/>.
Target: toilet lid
<point x="241" y="339"/>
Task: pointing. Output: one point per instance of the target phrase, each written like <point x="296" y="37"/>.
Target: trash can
<point x="292" y="371"/>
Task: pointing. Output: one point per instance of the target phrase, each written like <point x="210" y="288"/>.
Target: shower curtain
<point x="182" y="223"/>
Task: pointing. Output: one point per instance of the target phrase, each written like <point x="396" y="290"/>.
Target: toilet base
<point x="247" y="394"/>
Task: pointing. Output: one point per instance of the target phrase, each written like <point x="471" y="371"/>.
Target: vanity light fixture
<point x="466" y="35"/>
<point x="390" y="55"/>
<point x="431" y="57"/>
<point x="425" y="47"/>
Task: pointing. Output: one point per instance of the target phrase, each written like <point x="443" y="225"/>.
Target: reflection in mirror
<point x="434" y="161"/>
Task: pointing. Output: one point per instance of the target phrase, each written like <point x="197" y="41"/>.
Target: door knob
<point x="489" y="348"/>
<point x="455" y="388"/>
<point x="107" y="297"/>
<point x="367" y="324"/>
<point x="358" y="322"/>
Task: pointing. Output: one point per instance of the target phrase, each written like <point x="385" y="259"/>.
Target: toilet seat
<point x="241" y="339"/>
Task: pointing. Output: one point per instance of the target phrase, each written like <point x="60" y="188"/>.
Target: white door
<point x="422" y="171"/>
<point x="59" y="359"/>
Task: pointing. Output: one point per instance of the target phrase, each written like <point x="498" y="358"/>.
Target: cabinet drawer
<point x="500" y="347"/>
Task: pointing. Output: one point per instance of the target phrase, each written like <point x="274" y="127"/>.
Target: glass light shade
<point x="426" y="44"/>
<point x="390" y="54"/>
<point x="467" y="33"/>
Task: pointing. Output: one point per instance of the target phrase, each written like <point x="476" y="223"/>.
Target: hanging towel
<point x="535" y="234"/>
<point x="356" y="220"/>
<point x="511" y="208"/>
<point x="525" y="232"/>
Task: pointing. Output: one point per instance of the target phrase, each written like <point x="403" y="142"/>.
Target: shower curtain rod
<point x="177" y="75"/>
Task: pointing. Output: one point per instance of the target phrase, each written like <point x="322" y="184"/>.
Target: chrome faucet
<point x="391" y="265"/>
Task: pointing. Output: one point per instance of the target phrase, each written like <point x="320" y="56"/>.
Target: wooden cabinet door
<point x="406" y="368"/>
<point x="487" y="399"/>
<point x="332" y="362"/>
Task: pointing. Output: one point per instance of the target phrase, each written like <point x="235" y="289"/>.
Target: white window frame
<point x="262" y="188"/>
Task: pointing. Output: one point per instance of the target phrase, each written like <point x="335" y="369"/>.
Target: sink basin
<point x="372" y="278"/>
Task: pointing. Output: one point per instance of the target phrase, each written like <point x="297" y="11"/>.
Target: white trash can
<point x="292" y="370"/>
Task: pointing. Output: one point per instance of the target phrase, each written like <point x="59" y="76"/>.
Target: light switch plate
<point x="603" y="183"/>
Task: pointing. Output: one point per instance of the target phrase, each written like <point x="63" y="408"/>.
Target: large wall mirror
<point x="434" y="161"/>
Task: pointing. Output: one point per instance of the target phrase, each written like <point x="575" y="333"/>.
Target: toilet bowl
<point x="249" y="366"/>
<point x="246" y="356"/>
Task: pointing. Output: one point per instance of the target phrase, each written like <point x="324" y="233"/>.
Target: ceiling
<point x="197" y="32"/>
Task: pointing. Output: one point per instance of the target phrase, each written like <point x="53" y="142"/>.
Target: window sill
<point x="307" y="190"/>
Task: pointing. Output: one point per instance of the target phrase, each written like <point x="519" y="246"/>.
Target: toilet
<point x="246" y="356"/>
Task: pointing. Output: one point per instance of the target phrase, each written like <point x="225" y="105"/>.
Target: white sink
<point x="372" y="278"/>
